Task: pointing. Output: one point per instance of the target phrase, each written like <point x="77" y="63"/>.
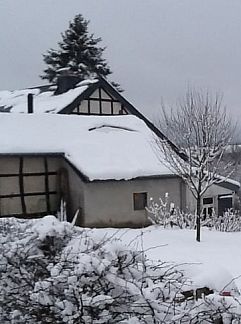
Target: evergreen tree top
<point x="78" y="51"/>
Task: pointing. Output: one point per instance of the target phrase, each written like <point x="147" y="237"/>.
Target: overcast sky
<point x="156" y="48"/>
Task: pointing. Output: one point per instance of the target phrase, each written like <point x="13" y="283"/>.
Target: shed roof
<point x="100" y="147"/>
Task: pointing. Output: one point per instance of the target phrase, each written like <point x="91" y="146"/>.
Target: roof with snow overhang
<point x="100" y="147"/>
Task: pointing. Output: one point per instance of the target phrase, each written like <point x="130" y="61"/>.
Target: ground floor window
<point x="139" y="200"/>
<point x="207" y="207"/>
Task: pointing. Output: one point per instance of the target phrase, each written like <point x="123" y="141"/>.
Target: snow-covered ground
<point x="216" y="254"/>
<point x="54" y="272"/>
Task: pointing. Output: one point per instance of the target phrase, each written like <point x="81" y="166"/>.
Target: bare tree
<point x="201" y="129"/>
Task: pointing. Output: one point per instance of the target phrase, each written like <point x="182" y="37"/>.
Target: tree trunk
<point x="198" y="225"/>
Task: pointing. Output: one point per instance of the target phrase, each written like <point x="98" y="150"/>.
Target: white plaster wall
<point x="76" y="195"/>
<point x="110" y="203"/>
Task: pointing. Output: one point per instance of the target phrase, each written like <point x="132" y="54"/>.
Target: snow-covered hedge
<point x="53" y="272"/>
<point x="230" y="221"/>
<point x="164" y="213"/>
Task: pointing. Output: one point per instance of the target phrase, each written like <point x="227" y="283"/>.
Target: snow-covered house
<point x="100" y="158"/>
<point x="104" y="166"/>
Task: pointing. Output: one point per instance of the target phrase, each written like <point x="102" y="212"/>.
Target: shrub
<point x="166" y="214"/>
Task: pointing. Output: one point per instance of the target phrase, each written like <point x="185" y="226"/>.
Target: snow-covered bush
<point x="53" y="272"/>
<point x="166" y="214"/>
<point x="230" y="221"/>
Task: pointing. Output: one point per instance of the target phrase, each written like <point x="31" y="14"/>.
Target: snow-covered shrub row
<point x="53" y="272"/>
<point x="230" y="221"/>
<point x="166" y="214"/>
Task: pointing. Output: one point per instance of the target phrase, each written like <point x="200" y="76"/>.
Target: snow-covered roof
<point x="100" y="147"/>
<point x="44" y="101"/>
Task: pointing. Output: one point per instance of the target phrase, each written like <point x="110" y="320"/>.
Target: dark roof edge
<point x="34" y="154"/>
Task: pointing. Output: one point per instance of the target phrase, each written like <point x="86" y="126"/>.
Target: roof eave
<point x="229" y="185"/>
<point x="150" y="177"/>
<point x="58" y="154"/>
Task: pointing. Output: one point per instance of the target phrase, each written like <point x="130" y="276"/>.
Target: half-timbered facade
<point x="100" y="103"/>
<point x="29" y="184"/>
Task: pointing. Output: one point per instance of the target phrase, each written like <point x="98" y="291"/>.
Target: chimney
<point x="30" y="103"/>
<point x="66" y="80"/>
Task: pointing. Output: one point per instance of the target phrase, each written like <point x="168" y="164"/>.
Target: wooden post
<point x="30" y="103"/>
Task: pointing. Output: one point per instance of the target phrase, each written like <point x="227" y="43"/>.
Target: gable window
<point x="139" y="200"/>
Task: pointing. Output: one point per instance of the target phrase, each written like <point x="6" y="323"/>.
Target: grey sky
<point x="156" y="48"/>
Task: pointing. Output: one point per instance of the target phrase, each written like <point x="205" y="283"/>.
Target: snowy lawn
<point x="216" y="253"/>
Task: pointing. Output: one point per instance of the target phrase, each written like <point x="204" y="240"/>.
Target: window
<point x="207" y="201"/>
<point x="207" y="207"/>
<point x="139" y="200"/>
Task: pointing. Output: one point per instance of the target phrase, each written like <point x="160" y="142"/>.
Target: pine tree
<point x="78" y="51"/>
